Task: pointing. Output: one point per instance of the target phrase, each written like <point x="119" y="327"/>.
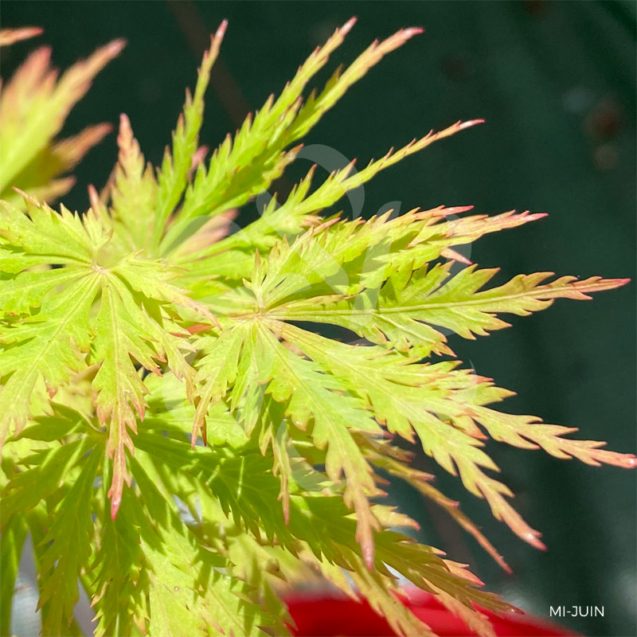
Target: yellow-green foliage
<point x="132" y="332"/>
<point x="33" y="107"/>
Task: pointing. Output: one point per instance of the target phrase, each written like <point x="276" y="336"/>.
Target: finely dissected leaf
<point x="429" y="398"/>
<point x="247" y="165"/>
<point x="381" y="594"/>
<point x="117" y="581"/>
<point x="49" y="472"/>
<point x="43" y="348"/>
<point x="40" y="177"/>
<point x="48" y="344"/>
<point x="186" y="582"/>
<point x="37" y="521"/>
<point x="324" y="517"/>
<point x="120" y="387"/>
<point x="299" y="209"/>
<point x="215" y="371"/>
<point x="68" y="550"/>
<point x="323" y="523"/>
<point x="473" y="618"/>
<point x="315" y="396"/>
<point x="405" y="402"/>
<point x="51" y="343"/>
<point x="410" y="308"/>
<point x="44" y="237"/>
<point x="134" y="189"/>
<point x="341" y="81"/>
<point x="395" y="462"/>
<point x="340" y="259"/>
<point x="11" y="544"/>
<point x="33" y="107"/>
<point x="127" y="332"/>
<point x="257" y="152"/>
<point x="175" y="168"/>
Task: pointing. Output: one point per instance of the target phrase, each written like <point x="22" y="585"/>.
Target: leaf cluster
<point x="181" y="438"/>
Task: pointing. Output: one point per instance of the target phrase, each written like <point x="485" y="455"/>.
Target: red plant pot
<point x="325" y="616"/>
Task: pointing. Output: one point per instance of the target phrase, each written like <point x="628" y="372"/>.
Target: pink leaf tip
<point x="347" y="27"/>
<point x="469" y="124"/>
<point x="456" y="210"/>
<point x="23" y="194"/>
<point x="412" y="31"/>
<point x="533" y="539"/>
<point x="115" y="47"/>
<point x="221" y="31"/>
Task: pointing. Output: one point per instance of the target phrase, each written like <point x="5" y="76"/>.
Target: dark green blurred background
<point x="556" y="83"/>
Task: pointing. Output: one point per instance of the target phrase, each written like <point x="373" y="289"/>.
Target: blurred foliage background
<point x="555" y="82"/>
